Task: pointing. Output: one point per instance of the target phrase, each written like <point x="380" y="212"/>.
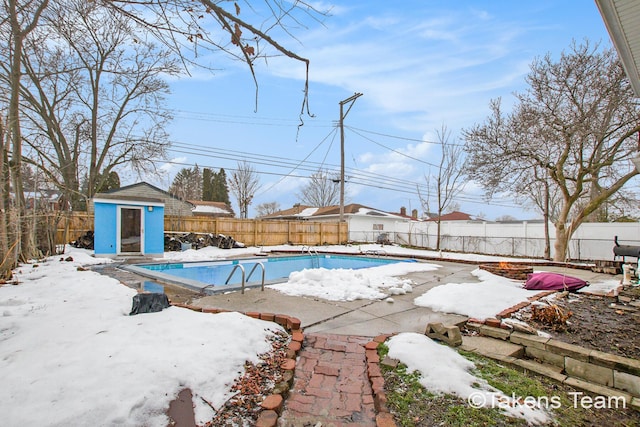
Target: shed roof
<point x="107" y="196"/>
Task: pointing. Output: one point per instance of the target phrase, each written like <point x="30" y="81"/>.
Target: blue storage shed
<point x="128" y="225"/>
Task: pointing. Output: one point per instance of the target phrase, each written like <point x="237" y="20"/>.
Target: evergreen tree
<point x="187" y="184"/>
<point x="219" y="188"/>
<point x="207" y="184"/>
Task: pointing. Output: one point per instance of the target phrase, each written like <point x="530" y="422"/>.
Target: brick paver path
<point x="331" y="386"/>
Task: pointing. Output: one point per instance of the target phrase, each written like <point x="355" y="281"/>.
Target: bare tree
<point x="244" y="184"/>
<point x="267" y="208"/>
<point x="7" y="229"/>
<point x="577" y="122"/>
<point x="191" y="29"/>
<point x="322" y="190"/>
<point x="20" y="20"/>
<point x="447" y="182"/>
<point x="204" y="26"/>
<point x="94" y="97"/>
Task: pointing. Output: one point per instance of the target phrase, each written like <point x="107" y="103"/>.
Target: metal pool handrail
<point x="251" y="272"/>
<point x="241" y="267"/>
<point x="233" y="270"/>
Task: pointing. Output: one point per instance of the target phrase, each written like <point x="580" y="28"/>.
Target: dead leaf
<point x="249" y="50"/>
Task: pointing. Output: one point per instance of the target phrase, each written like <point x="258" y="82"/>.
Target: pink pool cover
<point x="553" y="281"/>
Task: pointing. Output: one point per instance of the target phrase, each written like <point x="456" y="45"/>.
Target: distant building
<point x="212" y="209"/>
<point x="297" y="212"/>
<point x="403" y="213"/>
<point x="365" y="224"/>
<point x="453" y="216"/>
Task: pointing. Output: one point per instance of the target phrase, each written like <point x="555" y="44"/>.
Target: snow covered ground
<point x="71" y="355"/>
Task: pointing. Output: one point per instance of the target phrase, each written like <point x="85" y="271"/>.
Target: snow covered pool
<point x="222" y="276"/>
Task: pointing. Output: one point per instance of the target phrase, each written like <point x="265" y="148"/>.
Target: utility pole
<point x="349" y="101"/>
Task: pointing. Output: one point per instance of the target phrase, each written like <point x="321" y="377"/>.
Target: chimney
<point x="414" y="214"/>
<point x="403" y="211"/>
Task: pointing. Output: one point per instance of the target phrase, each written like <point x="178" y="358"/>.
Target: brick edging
<point x="384" y="418"/>
<point x="273" y="403"/>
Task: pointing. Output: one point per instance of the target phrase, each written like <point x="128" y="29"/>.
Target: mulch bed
<point x="259" y="381"/>
<point x="608" y="324"/>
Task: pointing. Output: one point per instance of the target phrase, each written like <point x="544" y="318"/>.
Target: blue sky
<point x="419" y="65"/>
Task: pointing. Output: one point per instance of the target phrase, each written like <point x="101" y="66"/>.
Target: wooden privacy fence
<point x="251" y="232"/>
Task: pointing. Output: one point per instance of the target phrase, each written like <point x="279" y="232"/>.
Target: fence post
<point x="255" y="232"/>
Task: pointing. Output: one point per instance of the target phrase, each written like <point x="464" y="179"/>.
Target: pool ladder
<point x="241" y="267"/>
<point x="314" y="256"/>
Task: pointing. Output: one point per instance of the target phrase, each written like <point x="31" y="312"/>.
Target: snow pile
<point x="444" y="371"/>
<point x="71" y="355"/>
<point x="479" y="300"/>
<point x="349" y="285"/>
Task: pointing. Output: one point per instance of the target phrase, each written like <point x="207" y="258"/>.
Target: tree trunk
<point x="561" y="244"/>
<point x="15" y="137"/>
<point x="6" y="259"/>
<point x="547" y="242"/>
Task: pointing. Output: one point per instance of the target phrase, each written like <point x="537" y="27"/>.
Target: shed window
<point x="378" y="227"/>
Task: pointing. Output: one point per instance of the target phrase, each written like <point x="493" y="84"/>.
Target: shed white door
<point x="130" y="230"/>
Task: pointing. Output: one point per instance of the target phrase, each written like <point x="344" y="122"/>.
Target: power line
<point x="355" y="177"/>
<point x="401" y="137"/>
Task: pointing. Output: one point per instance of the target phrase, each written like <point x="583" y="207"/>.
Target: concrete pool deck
<point x="366" y="317"/>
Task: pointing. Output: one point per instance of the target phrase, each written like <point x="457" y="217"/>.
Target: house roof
<point x="297" y="211"/>
<point x="306" y="212"/>
<point x="351" y="209"/>
<point x="211" y="208"/>
<point x="453" y="216"/>
<point x="622" y="19"/>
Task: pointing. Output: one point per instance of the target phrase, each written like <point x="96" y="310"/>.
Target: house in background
<point x="453" y="216"/>
<point x="403" y="213"/>
<point x="212" y="209"/>
<point x="297" y="212"/>
<point x="365" y="224"/>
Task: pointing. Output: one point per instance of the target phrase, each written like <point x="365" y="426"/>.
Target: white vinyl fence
<point x="592" y="241"/>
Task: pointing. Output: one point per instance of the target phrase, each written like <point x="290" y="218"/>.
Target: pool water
<point x="215" y="274"/>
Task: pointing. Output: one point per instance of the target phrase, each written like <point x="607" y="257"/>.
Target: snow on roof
<point x="209" y="209"/>
<point x="307" y="212"/>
